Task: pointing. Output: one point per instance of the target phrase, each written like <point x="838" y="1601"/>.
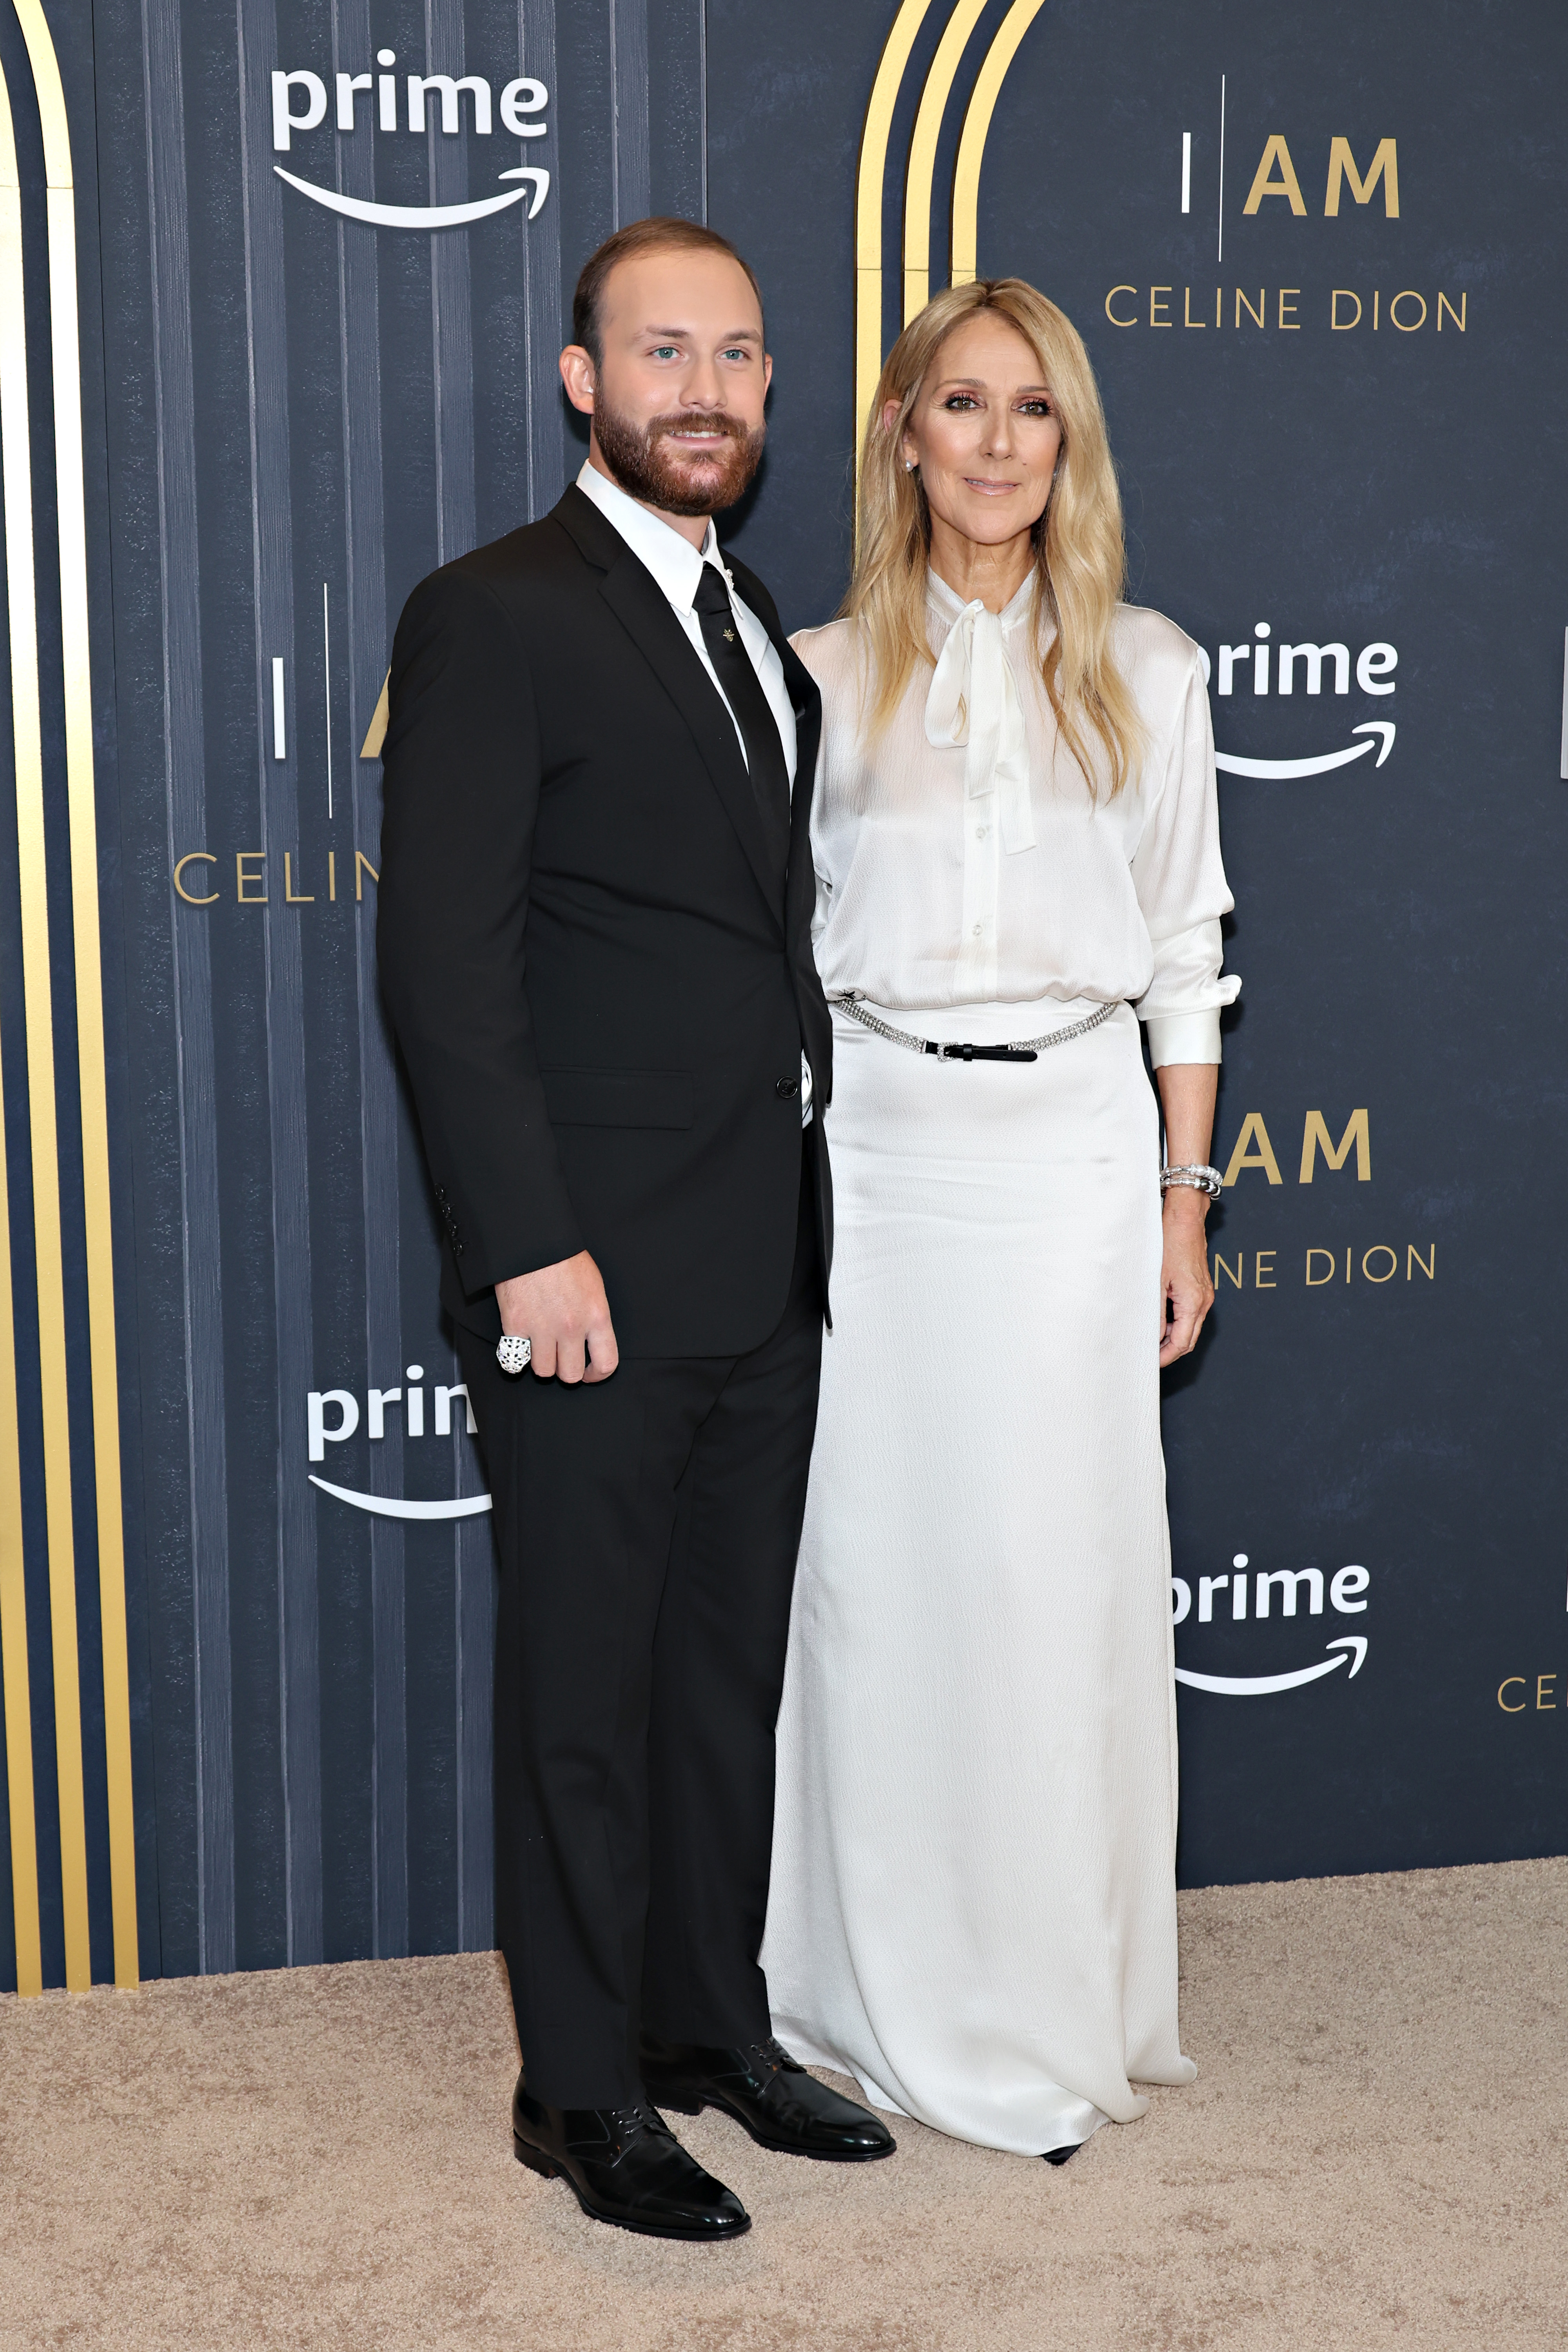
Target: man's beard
<point x="637" y="457"/>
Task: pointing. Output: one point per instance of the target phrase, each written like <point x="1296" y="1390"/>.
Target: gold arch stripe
<point x="868" y="192"/>
<point x="972" y="139"/>
<point x="15" y="435"/>
<point x="13" y="1580"/>
<point x="18" y="1698"/>
<point x="922" y="153"/>
<point x="380" y="720"/>
<point x="81" y="794"/>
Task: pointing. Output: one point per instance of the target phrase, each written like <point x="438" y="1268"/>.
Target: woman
<point x="1014" y="833"/>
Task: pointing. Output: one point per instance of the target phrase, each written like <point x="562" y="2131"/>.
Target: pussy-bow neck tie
<point x="973" y="701"/>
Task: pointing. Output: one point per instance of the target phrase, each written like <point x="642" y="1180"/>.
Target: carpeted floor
<point x="1375" y="2154"/>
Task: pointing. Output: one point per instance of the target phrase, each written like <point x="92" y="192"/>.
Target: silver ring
<point x="514" y="1354"/>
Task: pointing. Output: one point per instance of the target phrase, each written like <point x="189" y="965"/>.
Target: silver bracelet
<point x="1193" y="1178"/>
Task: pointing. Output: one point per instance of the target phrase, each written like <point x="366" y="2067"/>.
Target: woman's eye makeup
<point x="1034" y="405"/>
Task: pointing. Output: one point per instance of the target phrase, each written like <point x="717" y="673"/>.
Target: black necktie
<point x="743" y="691"/>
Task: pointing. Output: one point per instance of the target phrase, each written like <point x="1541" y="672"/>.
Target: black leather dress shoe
<point x="626" y="2166"/>
<point x="1060" y="2154"/>
<point x="769" y="2092"/>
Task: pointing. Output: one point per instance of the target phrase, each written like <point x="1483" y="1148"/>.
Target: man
<point x="595" y="938"/>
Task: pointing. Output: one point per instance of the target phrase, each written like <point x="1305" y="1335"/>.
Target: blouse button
<point x="978" y="929"/>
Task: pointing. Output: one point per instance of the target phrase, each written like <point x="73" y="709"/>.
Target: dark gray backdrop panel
<point x="1399" y="926"/>
<point x="308" y="413"/>
<point x="300" y="403"/>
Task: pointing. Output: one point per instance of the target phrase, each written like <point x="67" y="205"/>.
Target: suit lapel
<point x="644" y="612"/>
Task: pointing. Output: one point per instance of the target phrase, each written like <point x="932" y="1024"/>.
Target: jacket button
<point x="786" y="1089"/>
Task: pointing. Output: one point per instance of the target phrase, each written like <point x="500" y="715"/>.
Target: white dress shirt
<point x="677" y="568"/>
<point x="961" y="859"/>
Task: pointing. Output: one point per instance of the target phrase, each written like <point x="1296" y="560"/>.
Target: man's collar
<point x="674" y="562"/>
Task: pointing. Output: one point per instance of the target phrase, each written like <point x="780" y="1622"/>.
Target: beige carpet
<point x="1375" y="2154"/>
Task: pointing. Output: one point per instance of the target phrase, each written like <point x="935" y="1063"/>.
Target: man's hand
<point x="1184" y="1280"/>
<point x="564" y="1310"/>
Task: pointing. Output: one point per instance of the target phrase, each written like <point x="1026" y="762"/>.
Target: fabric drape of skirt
<point x="973" y="1906"/>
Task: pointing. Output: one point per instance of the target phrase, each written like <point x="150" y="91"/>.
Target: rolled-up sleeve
<point x="1179" y="876"/>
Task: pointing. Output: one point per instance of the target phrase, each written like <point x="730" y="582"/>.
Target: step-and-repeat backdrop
<point x="283" y="286"/>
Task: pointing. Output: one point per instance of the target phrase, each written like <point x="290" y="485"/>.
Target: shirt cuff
<point x="1183" y="1036"/>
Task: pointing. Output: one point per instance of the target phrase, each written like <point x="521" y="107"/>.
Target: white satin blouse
<point x="961" y="858"/>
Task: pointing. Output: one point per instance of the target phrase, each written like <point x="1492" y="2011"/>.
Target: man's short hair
<point x="662" y="233"/>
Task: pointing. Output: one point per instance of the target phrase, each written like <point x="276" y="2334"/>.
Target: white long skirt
<point x="973" y="1906"/>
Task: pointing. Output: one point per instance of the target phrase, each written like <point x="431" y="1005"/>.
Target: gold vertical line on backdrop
<point x="81" y="794"/>
<point x="972" y="139"/>
<point x="869" y="209"/>
<point x="922" y="153"/>
<point x="18" y="1702"/>
<point x="13" y="1597"/>
<point x="16" y="463"/>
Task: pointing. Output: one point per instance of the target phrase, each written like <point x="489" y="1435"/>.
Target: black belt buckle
<point x="982" y="1053"/>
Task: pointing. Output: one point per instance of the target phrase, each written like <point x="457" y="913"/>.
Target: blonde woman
<point x="1014" y="833"/>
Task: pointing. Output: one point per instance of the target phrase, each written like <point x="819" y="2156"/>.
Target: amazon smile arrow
<point x="1233" y="766"/>
<point x="394" y="1506"/>
<point x="427" y="215"/>
<point x="1260" y="1685"/>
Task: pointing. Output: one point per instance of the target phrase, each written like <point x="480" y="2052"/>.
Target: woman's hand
<point x="1187" y="1091"/>
<point x="1186" y="1292"/>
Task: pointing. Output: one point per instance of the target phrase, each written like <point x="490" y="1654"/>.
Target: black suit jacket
<point x="600" y="982"/>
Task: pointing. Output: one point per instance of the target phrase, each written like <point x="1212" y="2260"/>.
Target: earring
<point x="909" y="466"/>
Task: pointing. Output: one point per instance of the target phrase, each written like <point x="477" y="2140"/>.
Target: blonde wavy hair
<point x="1080" y="560"/>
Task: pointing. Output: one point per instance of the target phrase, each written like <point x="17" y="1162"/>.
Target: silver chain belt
<point x="1025" y="1050"/>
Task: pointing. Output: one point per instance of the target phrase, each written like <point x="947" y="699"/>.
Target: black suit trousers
<point x="649" y="1526"/>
